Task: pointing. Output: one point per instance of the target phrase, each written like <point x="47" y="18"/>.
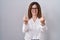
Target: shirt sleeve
<point x="44" y="28"/>
<point x="25" y="28"/>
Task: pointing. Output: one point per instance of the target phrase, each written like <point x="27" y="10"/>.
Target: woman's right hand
<point x="25" y="20"/>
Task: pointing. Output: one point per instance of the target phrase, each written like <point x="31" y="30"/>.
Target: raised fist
<point x="42" y="20"/>
<point x="25" y="19"/>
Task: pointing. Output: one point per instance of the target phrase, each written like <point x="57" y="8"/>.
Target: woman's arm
<point x="25" y="24"/>
<point x="44" y="28"/>
<point x="25" y="28"/>
<point x="43" y="23"/>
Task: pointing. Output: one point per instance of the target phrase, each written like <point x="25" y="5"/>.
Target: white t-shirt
<point x="33" y="29"/>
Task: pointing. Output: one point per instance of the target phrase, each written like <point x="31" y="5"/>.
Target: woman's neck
<point x="34" y="18"/>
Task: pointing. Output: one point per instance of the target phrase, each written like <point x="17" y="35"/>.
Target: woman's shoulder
<point x="39" y="19"/>
<point x="30" y="20"/>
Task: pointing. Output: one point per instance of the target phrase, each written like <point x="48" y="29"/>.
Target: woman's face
<point x="34" y="10"/>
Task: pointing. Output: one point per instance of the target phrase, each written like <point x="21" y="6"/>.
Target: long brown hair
<point x="39" y="15"/>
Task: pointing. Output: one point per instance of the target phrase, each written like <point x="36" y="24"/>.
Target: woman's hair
<point x="39" y="15"/>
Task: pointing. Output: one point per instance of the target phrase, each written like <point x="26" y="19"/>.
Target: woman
<point x="33" y="25"/>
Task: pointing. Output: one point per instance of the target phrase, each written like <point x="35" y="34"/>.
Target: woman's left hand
<point x="42" y="20"/>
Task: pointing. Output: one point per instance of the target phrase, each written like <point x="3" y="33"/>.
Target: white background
<point x="12" y="12"/>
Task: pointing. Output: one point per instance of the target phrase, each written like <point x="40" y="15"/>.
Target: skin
<point x="34" y="12"/>
<point x="25" y="20"/>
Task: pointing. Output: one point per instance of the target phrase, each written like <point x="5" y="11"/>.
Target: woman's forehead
<point x="34" y="6"/>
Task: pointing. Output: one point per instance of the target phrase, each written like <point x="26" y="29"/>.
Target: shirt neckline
<point x="35" y="20"/>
